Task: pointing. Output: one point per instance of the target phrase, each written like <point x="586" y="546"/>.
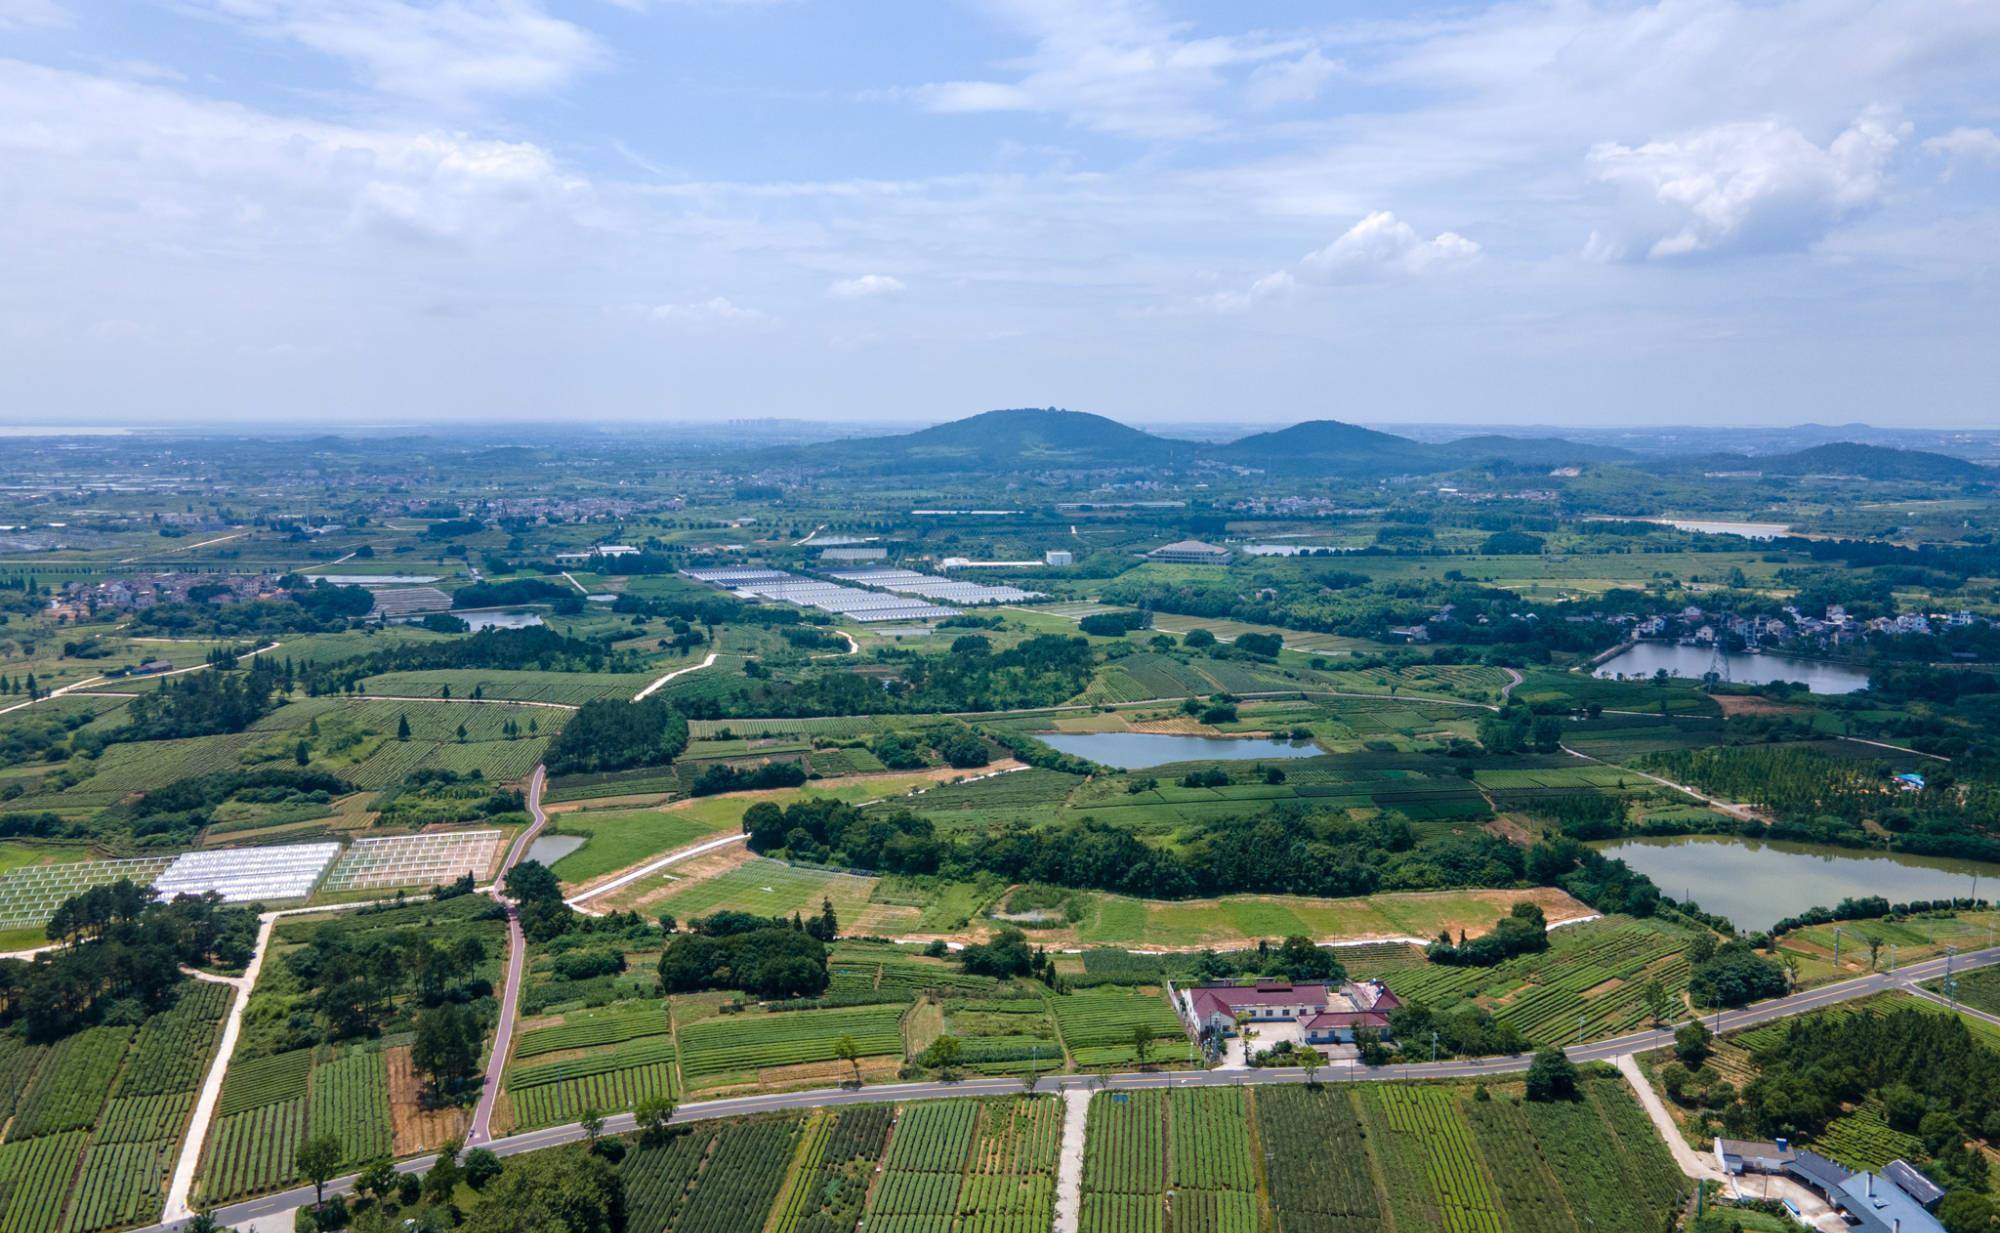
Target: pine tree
<point x="402" y="727"/>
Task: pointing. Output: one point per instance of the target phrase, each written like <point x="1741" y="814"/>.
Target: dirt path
<point x="672" y="858"/>
<point x="96" y="680"/>
<point x="1691" y="1162"/>
<point x="1069" y="1165"/>
<point x="218" y="1070"/>
<point x="1740" y="812"/>
<point x="647" y="692"/>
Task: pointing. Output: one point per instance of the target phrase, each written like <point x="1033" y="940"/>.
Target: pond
<point x="1757" y="883"/>
<point x="548" y="849"/>
<point x="1135" y="750"/>
<point x="1643" y="659"/>
<point x="1707" y="526"/>
<point x="372" y="580"/>
<point x="497" y="618"/>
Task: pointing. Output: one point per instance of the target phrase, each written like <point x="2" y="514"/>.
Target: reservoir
<point x="1643" y="659"/>
<point x="1748" y="530"/>
<point x="498" y="618"/>
<point x="1757" y="883"/>
<point x="371" y="580"/>
<point x="1135" y="750"/>
<point x="548" y="849"/>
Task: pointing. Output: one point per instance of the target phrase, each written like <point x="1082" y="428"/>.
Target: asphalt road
<point x="481" y="1129"/>
<point x="279" y="1206"/>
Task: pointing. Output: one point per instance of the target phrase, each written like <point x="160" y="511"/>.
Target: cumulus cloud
<point x="1118" y="66"/>
<point x="1746" y="186"/>
<point x="452" y="53"/>
<point x="1966" y="145"/>
<point x="716" y="310"/>
<point x="1382" y="245"/>
<point x="109" y="154"/>
<point x="867" y="286"/>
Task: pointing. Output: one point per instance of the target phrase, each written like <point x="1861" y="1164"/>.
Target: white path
<point x="1069" y="1165"/>
<point x="218" y="1070"/>
<point x="1692" y="1163"/>
<point x="647" y="692"/>
<point x="672" y="858"/>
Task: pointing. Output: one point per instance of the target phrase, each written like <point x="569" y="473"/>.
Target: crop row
<point x="34" y="1174"/>
<point x="1125" y="1148"/>
<point x="740" y="1182"/>
<point x="751" y="1042"/>
<point x="350" y="1101"/>
<point x="121" y="1185"/>
<point x="71" y="1086"/>
<point x="265" y="1080"/>
<point x="610" y="1091"/>
<point x="604" y="1028"/>
<point x="1428" y="1118"/>
<point x="933" y="1138"/>
<point x="172" y="1049"/>
<point x="645" y="1053"/>
<point x="254" y="1151"/>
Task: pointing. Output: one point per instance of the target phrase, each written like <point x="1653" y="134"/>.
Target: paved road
<point x="281" y="1205"/>
<point x="517" y="952"/>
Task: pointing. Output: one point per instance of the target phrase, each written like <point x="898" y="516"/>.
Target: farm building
<point x="1325" y="1015"/>
<point x="1190" y="552"/>
<point x="1900" y="1199"/>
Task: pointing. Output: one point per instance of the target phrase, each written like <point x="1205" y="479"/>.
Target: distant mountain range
<point x="1052" y="439"/>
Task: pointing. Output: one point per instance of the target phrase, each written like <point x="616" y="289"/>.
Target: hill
<point x="1330" y="446"/>
<point x="1875" y="462"/>
<point x="1016" y="439"/>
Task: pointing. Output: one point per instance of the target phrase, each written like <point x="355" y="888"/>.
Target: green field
<point x="620" y="838"/>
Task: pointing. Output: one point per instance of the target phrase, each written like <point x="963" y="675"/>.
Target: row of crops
<point x="272" y="1104"/>
<point x="97" y="1117"/>
<point x="1178" y="1159"/>
<point x="1593" y="978"/>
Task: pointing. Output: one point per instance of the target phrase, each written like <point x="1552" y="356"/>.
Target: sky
<point x="360" y="212"/>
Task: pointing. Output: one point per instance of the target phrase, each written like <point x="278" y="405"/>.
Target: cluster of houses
<point x="80" y="600"/>
<point x="1836" y="628"/>
<point x="1323" y="1014"/>
<point x="1899" y="1199"/>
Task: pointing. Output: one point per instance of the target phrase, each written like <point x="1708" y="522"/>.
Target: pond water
<point x="548" y="849"/>
<point x="1135" y="750"/>
<point x="372" y="580"/>
<point x="1757" y="883"/>
<point x="490" y="618"/>
<point x="1643" y="659"/>
<point x="1706" y="526"/>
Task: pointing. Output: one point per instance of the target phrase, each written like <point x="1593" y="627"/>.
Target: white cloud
<point x="716" y="310"/>
<point x="867" y="286"/>
<point x="451" y="53"/>
<point x="1746" y="186"/>
<point x="111" y="157"/>
<point x="1118" y="67"/>
<point x="1382" y="245"/>
<point x="1966" y="145"/>
<point x="1282" y="82"/>
<point x="30" y="14"/>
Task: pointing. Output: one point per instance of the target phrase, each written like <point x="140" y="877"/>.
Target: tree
<point x="204" y="1221"/>
<point x="316" y="1160"/>
<point x="1309" y="1061"/>
<point x="1552" y="1076"/>
<point x="653" y="1114"/>
<point x="1692" y="1042"/>
<point x="302" y="752"/>
<point x="443" y="1177"/>
<point x="378" y="1179"/>
<point x="562" y="1191"/>
<point x="447" y="1045"/>
<point x="481" y="1166"/>
<point x="1142" y="1042"/>
<point x="402" y="727"/>
<point x="1659" y="1003"/>
<point x="945" y="1053"/>
<point x="848" y="1051"/>
<point x="1701" y="947"/>
<point x="592" y="1122"/>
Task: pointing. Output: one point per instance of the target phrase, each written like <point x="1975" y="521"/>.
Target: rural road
<point x="517" y="956"/>
<point x="280" y="1206"/>
<point x="647" y="692"/>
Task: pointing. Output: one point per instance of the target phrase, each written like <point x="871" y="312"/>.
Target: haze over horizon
<point x="363" y="212"/>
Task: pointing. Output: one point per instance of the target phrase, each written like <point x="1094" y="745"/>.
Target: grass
<point x="621" y="838"/>
<point x="767" y="888"/>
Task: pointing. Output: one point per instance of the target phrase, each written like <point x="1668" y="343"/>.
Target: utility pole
<point x="1579" y="1027"/>
<point x="1950" y="981"/>
<point x="1434" y="1046"/>
<point x="1836" y="948"/>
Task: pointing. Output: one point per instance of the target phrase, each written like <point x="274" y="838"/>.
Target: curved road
<point x="281" y="1204"/>
<point x="517" y="951"/>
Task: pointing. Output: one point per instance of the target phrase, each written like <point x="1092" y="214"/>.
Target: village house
<point x="1325" y="1015"/>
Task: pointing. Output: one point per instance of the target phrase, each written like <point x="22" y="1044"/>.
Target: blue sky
<point x="391" y="211"/>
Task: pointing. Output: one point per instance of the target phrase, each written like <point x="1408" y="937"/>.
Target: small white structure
<point x="1059" y="556"/>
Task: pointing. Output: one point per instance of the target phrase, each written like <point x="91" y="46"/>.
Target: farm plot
<point x="1178" y="1159"/>
<point x="34" y="1176"/>
<point x="925" y="1167"/>
<point x="1609" y="1168"/>
<point x="830" y="1174"/>
<point x="1010" y="1181"/>
<point x="1598" y="971"/>
<point x="414" y="860"/>
<point x="659" y="1177"/>
<point x="72" y="1083"/>
<point x="350" y="1101"/>
<point x="740" y="1181"/>
<point x="621" y="838"/>
<point x="610" y="1081"/>
<point x="29" y="896"/>
<point x="588" y="1029"/>
<point x="1316" y="1161"/>
<point x="1097" y="1024"/>
<point x="767" y="888"/>
<point x="121" y="1184"/>
<point x="738" y="1048"/>
<point x="563" y="688"/>
<point x="253" y="1151"/>
<point x="1436" y="1176"/>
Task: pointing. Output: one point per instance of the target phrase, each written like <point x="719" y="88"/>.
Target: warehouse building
<point x="1190" y="552"/>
